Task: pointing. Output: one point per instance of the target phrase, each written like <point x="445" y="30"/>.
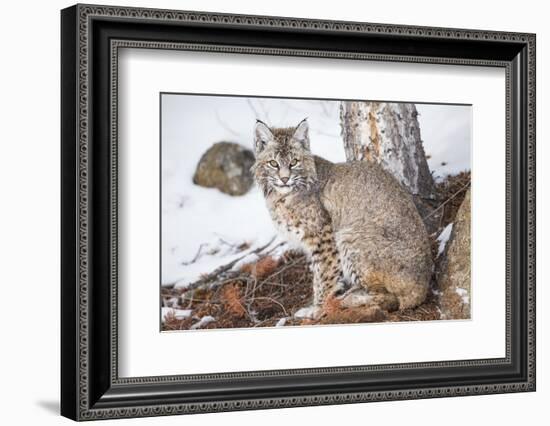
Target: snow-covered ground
<point x="443" y="238"/>
<point x="202" y="228"/>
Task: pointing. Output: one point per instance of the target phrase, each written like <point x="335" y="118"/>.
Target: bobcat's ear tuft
<point x="301" y="133"/>
<point x="262" y="136"/>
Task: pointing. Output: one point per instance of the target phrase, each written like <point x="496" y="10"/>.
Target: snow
<point x="443" y="238"/>
<point x="177" y="313"/>
<point x="281" y="322"/>
<point x="463" y="293"/>
<point x="207" y="319"/>
<point x="203" y="228"/>
<point x="203" y="223"/>
<point x="172" y="302"/>
<point x="212" y="222"/>
<point x="309" y="312"/>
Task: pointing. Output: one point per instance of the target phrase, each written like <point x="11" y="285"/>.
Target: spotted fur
<point x="358" y="226"/>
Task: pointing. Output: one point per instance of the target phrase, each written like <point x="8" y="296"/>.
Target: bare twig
<point x="212" y="302"/>
<point x="447" y="200"/>
<point x="260" y="323"/>
<point x="253" y="108"/>
<point x="408" y="318"/>
<point x="274" y="284"/>
<point x="278" y="272"/>
<point x="264" y="109"/>
<point x="224" y="269"/>
<point x="326" y="106"/>
<point x="227" y="243"/>
<point x="196" y="257"/>
<point x="225" y="125"/>
<point x="272" y="300"/>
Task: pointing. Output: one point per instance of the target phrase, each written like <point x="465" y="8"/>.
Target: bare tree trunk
<point x="389" y="134"/>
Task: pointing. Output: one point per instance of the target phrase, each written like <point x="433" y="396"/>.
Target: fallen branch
<point x="224" y="272"/>
<point x="196" y="257"/>
<point x="271" y="299"/>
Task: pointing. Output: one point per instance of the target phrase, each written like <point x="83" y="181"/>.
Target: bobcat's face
<point x="283" y="160"/>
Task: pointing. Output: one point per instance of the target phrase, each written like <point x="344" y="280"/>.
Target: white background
<point x="29" y="225"/>
<point x="142" y="346"/>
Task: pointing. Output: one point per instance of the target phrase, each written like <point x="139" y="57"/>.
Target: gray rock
<point x="226" y="166"/>
<point x="455" y="268"/>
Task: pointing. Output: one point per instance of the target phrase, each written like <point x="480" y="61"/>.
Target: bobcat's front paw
<point x="337" y="290"/>
<point x="341" y="288"/>
<point x="309" y="312"/>
<point x="354" y="297"/>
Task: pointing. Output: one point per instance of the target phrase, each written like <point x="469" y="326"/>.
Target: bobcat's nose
<point x="284" y="179"/>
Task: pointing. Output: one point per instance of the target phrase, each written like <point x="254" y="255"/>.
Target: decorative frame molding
<point x="91" y="37"/>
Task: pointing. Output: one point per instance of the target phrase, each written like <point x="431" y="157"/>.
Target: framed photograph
<point x="263" y="212"/>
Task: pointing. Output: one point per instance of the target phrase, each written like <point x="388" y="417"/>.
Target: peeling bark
<point x="389" y="134"/>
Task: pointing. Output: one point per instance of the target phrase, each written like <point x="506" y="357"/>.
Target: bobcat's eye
<point x="293" y="162"/>
<point x="274" y="164"/>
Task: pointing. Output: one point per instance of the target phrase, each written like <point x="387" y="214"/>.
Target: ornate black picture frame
<point x="91" y="36"/>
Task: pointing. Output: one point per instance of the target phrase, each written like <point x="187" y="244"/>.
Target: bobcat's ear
<point x="262" y="136"/>
<point x="301" y="133"/>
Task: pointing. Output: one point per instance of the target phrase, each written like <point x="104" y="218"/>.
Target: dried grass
<point x="262" y="268"/>
<point x="232" y="299"/>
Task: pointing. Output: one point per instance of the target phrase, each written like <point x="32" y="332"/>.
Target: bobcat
<point x="365" y="240"/>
